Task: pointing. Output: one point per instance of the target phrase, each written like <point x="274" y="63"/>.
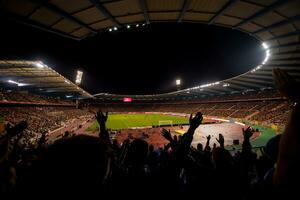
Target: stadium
<point x="237" y="134"/>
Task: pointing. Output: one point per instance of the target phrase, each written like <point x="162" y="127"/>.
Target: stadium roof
<point x="38" y="78"/>
<point x="274" y="22"/>
<point x="267" y="20"/>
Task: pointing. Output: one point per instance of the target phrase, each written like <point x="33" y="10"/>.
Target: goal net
<point x="165" y="123"/>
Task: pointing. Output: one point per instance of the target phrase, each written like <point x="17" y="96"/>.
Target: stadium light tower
<point x="178" y="84"/>
<point x="78" y="77"/>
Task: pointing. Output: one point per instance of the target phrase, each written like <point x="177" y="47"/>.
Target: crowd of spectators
<point x="101" y="168"/>
<point x="40" y="120"/>
<point x="14" y="96"/>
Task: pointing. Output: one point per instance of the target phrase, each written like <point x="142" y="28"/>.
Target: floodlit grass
<point x="266" y="134"/>
<point x="260" y="141"/>
<point x="121" y="121"/>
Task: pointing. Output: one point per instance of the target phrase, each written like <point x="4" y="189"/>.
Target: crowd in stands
<point x="98" y="167"/>
<point x="13" y="96"/>
<point x="40" y="120"/>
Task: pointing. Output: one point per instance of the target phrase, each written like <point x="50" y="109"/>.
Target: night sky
<point x="140" y="60"/>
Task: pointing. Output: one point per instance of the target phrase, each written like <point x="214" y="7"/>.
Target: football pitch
<point x="123" y="121"/>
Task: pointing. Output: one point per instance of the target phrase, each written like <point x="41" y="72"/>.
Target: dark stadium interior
<point x="137" y="99"/>
<point x="195" y="53"/>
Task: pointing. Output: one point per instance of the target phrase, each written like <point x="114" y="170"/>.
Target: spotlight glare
<point x="128" y="26"/>
<point x="137" y="25"/>
<point x="17" y="83"/>
<point x="115" y="28"/>
<point x="67" y="82"/>
<point x="21" y="84"/>
<point x="265" y="46"/>
<point x="110" y="30"/>
<point x="267" y="57"/>
<point x="78" y="77"/>
<point x="11" y="81"/>
<point x="39" y="64"/>
<point x="178" y="82"/>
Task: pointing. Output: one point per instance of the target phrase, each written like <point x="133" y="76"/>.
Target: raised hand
<point x="208" y="137"/>
<point x="195" y="121"/>
<point x="248" y="132"/>
<point x="286" y="85"/>
<point x="167" y="134"/>
<point x="101" y="118"/>
<point x="221" y="140"/>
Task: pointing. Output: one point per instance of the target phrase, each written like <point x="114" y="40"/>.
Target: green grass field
<point x="266" y="134"/>
<point x="121" y="121"/>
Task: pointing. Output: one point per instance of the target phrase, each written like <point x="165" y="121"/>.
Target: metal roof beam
<point x="184" y="8"/>
<point x="247" y="84"/>
<point x="64" y="14"/>
<point x="285" y="45"/>
<point x="36" y="25"/>
<point x="228" y="5"/>
<point x="286" y="52"/>
<point x="257" y="81"/>
<point x="37" y="77"/>
<point x="282" y="23"/>
<point x="235" y="86"/>
<point x="284" y="59"/>
<point x="105" y="12"/>
<point x="282" y="65"/>
<point x="295" y="33"/>
<point x="263" y="12"/>
<point x="256" y="76"/>
<point x="144" y="8"/>
<point x="291" y="68"/>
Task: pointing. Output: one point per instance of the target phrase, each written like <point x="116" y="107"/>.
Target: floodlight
<point x="78" y="77"/>
<point x="178" y="82"/>
<point x="267" y="57"/>
<point x="137" y="25"/>
<point x="128" y="26"/>
<point x="265" y="46"/>
<point x="110" y="30"/>
<point x="115" y="28"/>
<point x="39" y="64"/>
<point x="17" y="83"/>
<point x="11" y="81"/>
<point x="22" y="84"/>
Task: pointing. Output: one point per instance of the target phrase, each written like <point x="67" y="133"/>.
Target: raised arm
<point x="101" y="119"/>
<point x="185" y="143"/>
<point x="207" y="147"/>
<point x="247" y="133"/>
<point x="287" y="169"/>
<point x="221" y="140"/>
